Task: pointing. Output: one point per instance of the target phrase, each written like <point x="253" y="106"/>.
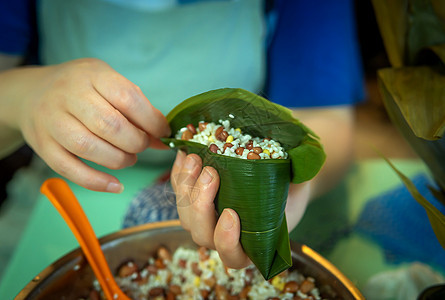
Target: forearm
<point x="10" y="134"/>
<point x="10" y="137"/>
<point x="16" y="86"/>
<point x="10" y="140"/>
<point x="335" y="127"/>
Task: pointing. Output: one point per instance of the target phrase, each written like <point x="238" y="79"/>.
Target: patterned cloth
<point x="154" y="203"/>
<point x="399" y="224"/>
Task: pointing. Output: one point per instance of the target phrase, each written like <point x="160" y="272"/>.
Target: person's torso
<point x="170" y="50"/>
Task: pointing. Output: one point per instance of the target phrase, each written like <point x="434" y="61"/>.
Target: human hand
<point x="195" y="189"/>
<point x="85" y="109"/>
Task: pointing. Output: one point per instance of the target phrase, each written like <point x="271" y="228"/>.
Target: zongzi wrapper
<point x="255" y="188"/>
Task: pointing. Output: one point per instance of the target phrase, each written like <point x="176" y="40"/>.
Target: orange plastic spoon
<point x="61" y="196"/>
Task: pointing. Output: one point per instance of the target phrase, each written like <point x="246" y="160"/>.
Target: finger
<point x="81" y="142"/>
<point x="177" y="167"/>
<point x="185" y="181"/>
<point x="108" y="123"/>
<point x="226" y="238"/>
<point x="72" y="168"/>
<point x="132" y="103"/>
<point x="203" y="209"/>
<point x="185" y="188"/>
<point x="156" y="143"/>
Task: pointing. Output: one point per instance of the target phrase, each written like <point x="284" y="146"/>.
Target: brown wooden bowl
<point x="71" y="277"/>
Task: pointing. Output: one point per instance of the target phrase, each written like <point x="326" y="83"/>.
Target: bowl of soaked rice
<point x="160" y="261"/>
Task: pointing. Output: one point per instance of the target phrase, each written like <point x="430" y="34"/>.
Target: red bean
<point x="221" y="292"/>
<point x="203" y="253"/>
<point x="253" y="155"/>
<point x="213" y="148"/>
<point x="202" y="126"/>
<point x="257" y="150"/>
<point x="291" y="287"/>
<point x="239" y="151"/>
<point x="210" y="282"/>
<point x="204" y="294"/>
<point x="249" y="145"/>
<point x="187" y="135"/>
<point x="191" y="128"/>
<point x="221" y="134"/>
<point x="196" y="269"/>
<point x="164" y="254"/>
<point x="245" y="291"/>
<point x="306" y="286"/>
<point x="227" y="145"/>
<point x="182" y="263"/>
<point x="156" y="291"/>
<point x="175" y="289"/>
<point x="159" y="263"/>
<point x="127" y="269"/>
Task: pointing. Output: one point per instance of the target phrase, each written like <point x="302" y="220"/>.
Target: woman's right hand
<point x="82" y="109"/>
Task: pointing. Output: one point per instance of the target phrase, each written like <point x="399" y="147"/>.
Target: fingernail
<point x="228" y="220"/>
<point x="189" y="162"/>
<point x="206" y="177"/>
<point x="115" y="187"/>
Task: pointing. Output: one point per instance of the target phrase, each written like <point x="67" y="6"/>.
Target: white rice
<point x="271" y="149"/>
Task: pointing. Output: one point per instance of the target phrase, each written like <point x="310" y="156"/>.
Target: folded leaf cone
<point x="255" y="189"/>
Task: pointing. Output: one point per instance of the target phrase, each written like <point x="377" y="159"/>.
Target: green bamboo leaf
<point x="392" y="20"/>
<point x="419" y="93"/>
<point x="439" y="195"/>
<point x="255" y="189"/>
<point x="425" y="29"/>
<point x="408" y="27"/>
<point x="437" y="219"/>
<point x="395" y="92"/>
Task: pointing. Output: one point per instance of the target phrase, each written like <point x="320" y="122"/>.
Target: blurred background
<point x="374" y="131"/>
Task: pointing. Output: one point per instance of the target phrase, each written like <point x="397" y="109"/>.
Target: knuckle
<point x="202" y="207"/>
<point x="89" y="62"/>
<point x="182" y="200"/>
<point x="109" y="124"/>
<point x="197" y="238"/>
<point x="120" y="160"/>
<point x="127" y="99"/>
<point x="82" y="144"/>
<point x="61" y="167"/>
<point x="139" y="144"/>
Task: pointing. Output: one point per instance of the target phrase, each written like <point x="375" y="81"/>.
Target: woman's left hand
<point x="195" y="189"/>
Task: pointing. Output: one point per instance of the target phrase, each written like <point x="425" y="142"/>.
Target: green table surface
<point x="47" y="237"/>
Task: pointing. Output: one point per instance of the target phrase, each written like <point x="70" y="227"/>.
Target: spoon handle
<point x="63" y="199"/>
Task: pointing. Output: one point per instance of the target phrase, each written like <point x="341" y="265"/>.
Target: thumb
<point x="226" y="239"/>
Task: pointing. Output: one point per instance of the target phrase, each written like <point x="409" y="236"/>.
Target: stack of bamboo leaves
<point x="413" y="89"/>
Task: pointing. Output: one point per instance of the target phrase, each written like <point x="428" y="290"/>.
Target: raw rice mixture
<point x="225" y="140"/>
<point x="192" y="274"/>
